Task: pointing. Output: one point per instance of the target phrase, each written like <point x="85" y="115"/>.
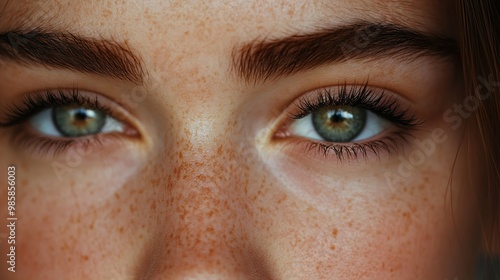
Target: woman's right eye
<point x="74" y="121"/>
<point x="55" y="120"/>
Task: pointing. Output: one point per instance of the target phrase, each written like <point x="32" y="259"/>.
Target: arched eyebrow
<point x="261" y="60"/>
<point x="64" y="50"/>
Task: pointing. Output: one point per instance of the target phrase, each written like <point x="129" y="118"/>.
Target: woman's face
<point x="235" y="140"/>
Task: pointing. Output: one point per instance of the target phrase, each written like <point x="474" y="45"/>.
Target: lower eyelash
<point x="46" y="146"/>
<point x="390" y="144"/>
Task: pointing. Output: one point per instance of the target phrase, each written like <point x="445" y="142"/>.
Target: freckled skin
<point x="203" y="194"/>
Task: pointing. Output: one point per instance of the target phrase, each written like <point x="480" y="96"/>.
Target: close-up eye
<point x="74" y="121"/>
<point x="341" y="123"/>
<point x="350" y="120"/>
<point x="60" y="118"/>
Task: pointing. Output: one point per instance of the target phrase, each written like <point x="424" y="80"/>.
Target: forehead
<point x="250" y="16"/>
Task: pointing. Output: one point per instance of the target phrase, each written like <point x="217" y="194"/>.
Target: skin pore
<point x="211" y="183"/>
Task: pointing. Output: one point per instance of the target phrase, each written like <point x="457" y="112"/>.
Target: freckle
<point x="332" y="247"/>
<point x="334" y="232"/>
<point x="117" y="196"/>
<point x="85" y="258"/>
<point x="281" y="199"/>
<point x="153" y="206"/>
<point x="120" y="229"/>
<point x="210" y="213"/>
<point x="91" y="226"/>
<point x="318" y="266"/>
<point x="132" y="208"/>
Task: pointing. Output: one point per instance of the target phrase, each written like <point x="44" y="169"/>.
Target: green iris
<point x="339" y="123"/>
<point x="77" y="121"/>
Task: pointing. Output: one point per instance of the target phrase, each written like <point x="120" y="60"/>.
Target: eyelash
<point x="362" y="96"/>
<point x="33" y="104"/>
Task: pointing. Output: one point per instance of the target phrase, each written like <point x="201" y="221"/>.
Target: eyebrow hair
<point x="261" y="60"/>
<point x="64" y="50"/>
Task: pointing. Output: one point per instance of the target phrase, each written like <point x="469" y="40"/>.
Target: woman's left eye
<point x="74" y="121"/>
<point x="339" y="124"/>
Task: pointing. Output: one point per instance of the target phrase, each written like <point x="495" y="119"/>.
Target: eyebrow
<point x="265" y="59"/>
<point x="64" y="50"/>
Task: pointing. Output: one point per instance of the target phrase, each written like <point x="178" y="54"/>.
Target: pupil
<point x="337" y="117"/>
<point x="80" y="115"/>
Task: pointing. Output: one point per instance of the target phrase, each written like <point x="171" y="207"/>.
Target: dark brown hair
<point x="479" y="37"/>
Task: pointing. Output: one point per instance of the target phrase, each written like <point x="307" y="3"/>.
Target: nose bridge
<point x="205" y="230"/>
<point x="206" y="156"/>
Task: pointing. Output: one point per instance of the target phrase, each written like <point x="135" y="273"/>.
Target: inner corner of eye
<point x="282" y="132"/>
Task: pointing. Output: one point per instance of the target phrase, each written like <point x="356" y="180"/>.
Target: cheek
<point x="416" y="226"/>
<point x="380" y="238"/>
<point x="64" y="213"/>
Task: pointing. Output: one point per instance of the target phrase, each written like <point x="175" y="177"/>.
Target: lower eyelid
<point x="389" y="144"/>
<point x="26" y="140"/>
